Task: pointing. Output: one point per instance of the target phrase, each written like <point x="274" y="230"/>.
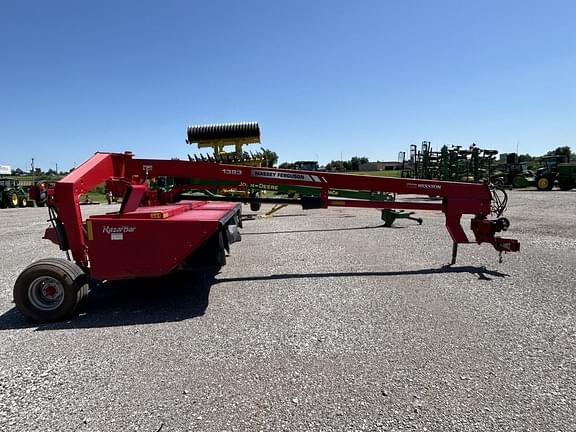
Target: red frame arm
<point x="67" y="192"/>
<point x="457" y="198"/>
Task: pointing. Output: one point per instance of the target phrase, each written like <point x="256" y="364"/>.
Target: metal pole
<point x="454" y="253"/>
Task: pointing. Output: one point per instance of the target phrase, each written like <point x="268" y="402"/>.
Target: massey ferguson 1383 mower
<point x="154" y="234"/>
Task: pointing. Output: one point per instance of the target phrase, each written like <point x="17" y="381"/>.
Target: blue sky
<point x="323" y="78"/>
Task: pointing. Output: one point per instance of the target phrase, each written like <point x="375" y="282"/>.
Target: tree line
<point x="39" y="172"/>
<point x="558" y="151"/>
<point x="336" y="165"/>
<point x="353" y="164"/>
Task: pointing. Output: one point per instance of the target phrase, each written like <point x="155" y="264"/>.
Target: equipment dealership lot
<point x="321" y="320"/>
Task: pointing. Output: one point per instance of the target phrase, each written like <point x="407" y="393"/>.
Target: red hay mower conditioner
<point x="150" y="237"/>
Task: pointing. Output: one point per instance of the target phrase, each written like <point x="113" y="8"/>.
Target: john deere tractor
<point x="567" y="175"/>
<point x="548" y="172"/>
<point x="11" y="194"/>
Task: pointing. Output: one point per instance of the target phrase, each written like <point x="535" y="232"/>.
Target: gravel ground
<point x="321" y="321"/>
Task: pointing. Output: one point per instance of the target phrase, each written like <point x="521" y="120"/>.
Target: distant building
<point x="381" y="166"/>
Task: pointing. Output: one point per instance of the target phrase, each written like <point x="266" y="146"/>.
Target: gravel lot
<point x="321" y="321"/>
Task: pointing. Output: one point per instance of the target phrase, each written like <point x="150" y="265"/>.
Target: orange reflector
<point x="89" y="229"/>
<point x="158" y="215"/>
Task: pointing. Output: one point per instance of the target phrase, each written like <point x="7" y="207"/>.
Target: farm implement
<point x="15" y="194"/>
<point x="449" y="164"/>
<point x="475" y="164"/>
<point x="219" y="137"/>
<point x="156" y="232"/>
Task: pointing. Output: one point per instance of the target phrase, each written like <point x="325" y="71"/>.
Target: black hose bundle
<point x="499" y="200"/>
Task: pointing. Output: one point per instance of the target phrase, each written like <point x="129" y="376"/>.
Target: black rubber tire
<point x="74" y="284"/>
<point x="220" y="251"/>
<point x="23" y="202"/>
<point x="12" y="199"/>
<point x="520" y="182"/>
<point x="41" y="198"/>
<point x="544" y="184"/>
<point x="210" y="255"/>
<point x="255" y="205"/>
<point x="41" y="201"/>
<point x="566" y="185"/>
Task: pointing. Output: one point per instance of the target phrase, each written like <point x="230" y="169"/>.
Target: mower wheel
<point x="50" y="289"/>
<point x="23" y="202"/>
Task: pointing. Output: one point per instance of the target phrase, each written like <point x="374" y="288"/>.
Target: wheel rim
<point x="543" y="183"/>
<point x="46" y="293"/>
<point x="14" y="199"/>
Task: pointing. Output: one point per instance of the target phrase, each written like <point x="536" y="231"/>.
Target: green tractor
<point x="11" y="194"/>
<point x="513" y="173"/>
<point x="548" y="172"/>
<point x="566" y="176"/>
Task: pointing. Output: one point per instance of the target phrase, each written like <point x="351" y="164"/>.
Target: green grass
<point x="36" y="178"/>
<point x="95" y="197"/>
<point x="98" y="194"/>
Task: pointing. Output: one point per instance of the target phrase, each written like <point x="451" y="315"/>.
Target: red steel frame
<point x="457" y="198"/>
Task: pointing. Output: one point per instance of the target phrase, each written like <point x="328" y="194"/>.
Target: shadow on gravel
<point x="482" y="272"/>
<point x="254" y="217"/>
<point x="322" y="230"/>
<point x="121" y="303"/>
<point x="181" y="296"/>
